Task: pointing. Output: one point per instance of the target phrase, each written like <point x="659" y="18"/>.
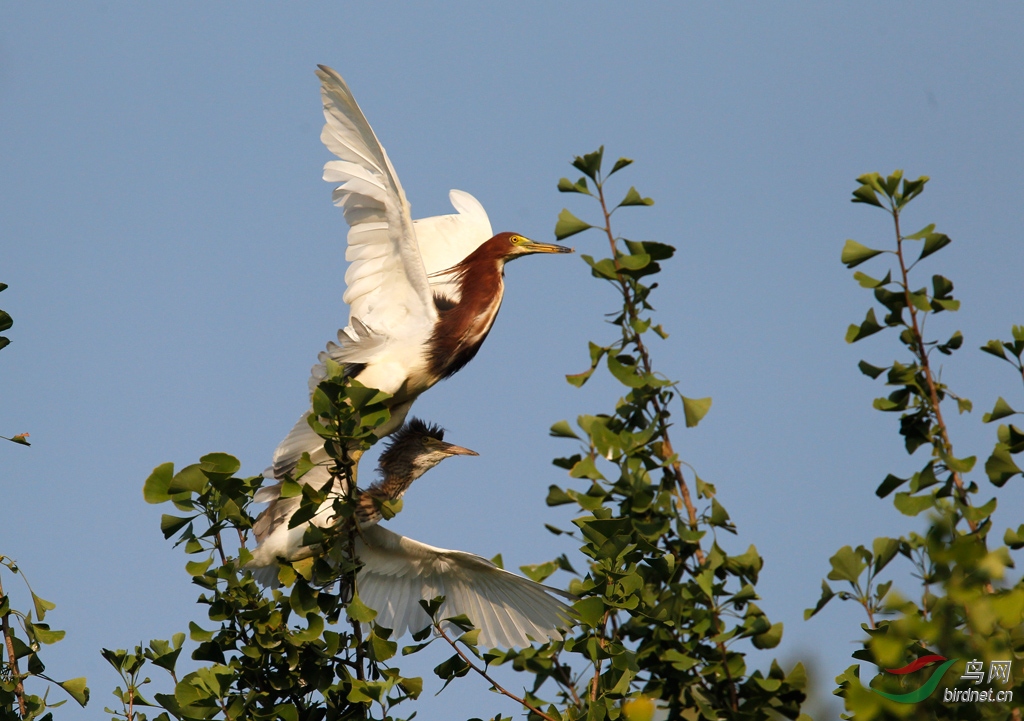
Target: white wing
<point x="447" y="239"/>
<point x="508" y="609"/>
<point x="387" y="286"/>
<point x="301" y="439"/>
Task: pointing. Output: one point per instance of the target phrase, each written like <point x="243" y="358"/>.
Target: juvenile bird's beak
<point x="454" y="450"/>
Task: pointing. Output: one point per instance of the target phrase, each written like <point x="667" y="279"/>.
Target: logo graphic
<point x="928" y="687"/>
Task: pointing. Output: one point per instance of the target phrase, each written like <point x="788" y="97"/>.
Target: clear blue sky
<point x="175" y="263"/>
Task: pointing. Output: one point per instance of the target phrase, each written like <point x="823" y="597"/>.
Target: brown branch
<point x="682" y="491"/>
<point x="357" y="629"/>
<point x="681" y="488"/>
<point x="865" y="602"/>
<point x="494" y="684"/>
<point x="19" y="689"/>
<point x="224" y="708"/>
<point x="596" y="681"/>
<point x="922" y="354"/>
<point x="933" y="392"/>
<point x="566" y="680"/>
<point x="220" y="549"/>
<point x="733" y="699"/>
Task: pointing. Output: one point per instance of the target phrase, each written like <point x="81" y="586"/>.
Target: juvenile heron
<point x="422" y="294"/>
<point x="397" y="572"/>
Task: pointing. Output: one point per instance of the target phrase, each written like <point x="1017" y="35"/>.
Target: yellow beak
<point x="534" y="247"/>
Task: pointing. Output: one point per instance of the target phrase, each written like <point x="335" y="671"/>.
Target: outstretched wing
<point x="447" y="239"/>
<point x="508" y="609"/>
<point x="386" y="283"/>
<point x="390" y="299"/>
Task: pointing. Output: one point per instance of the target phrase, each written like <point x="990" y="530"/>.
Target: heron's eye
<point x="516" y="239"/>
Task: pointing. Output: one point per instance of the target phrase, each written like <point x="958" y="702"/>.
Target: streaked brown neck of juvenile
<point x="395" y="483"/>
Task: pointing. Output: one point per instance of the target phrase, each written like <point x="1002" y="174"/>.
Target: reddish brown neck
<point x="462" y="328"/>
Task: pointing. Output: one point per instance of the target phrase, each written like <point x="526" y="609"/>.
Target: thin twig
<point x="224" y="708"/>
<point x="19" y="689"/>
<point x="681" y="487"/>
<point x="933" y="392"/>
<point x="357" y="629"/>
<point x="682" y="490"/>
<point x="497" y="686"/>
<point x="733" y="699"/>
<point x="220" y="549"/>
<point x="566" y="680"/>
<point x="922" y="354"/>
<point x="865" y="602"/>
<point x="595" y="682"/>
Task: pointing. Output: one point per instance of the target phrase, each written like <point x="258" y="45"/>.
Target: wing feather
<point x="376" y="208"/>
<point x="496" y="629"/>
<point x="301" y="439"/>
<point x="445" y="240"/>
<point x="463" y="601"/>
<point x="534" y="625"/>
<point x="505" y="607"/>
<point x="520" y="597"/>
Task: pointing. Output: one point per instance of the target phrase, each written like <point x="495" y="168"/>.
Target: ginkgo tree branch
<point x="629" y="304"/>
<point x="487" y="677"/>
<point x="5" y="624"/>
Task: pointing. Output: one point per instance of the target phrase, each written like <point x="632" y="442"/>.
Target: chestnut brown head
<point x="513" y="245"/>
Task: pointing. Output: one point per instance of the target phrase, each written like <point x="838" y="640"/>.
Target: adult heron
<point x="398" y="572"/>
<point x="422" y="294"/>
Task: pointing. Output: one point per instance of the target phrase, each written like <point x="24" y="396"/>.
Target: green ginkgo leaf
<point x="568" y="224"/>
